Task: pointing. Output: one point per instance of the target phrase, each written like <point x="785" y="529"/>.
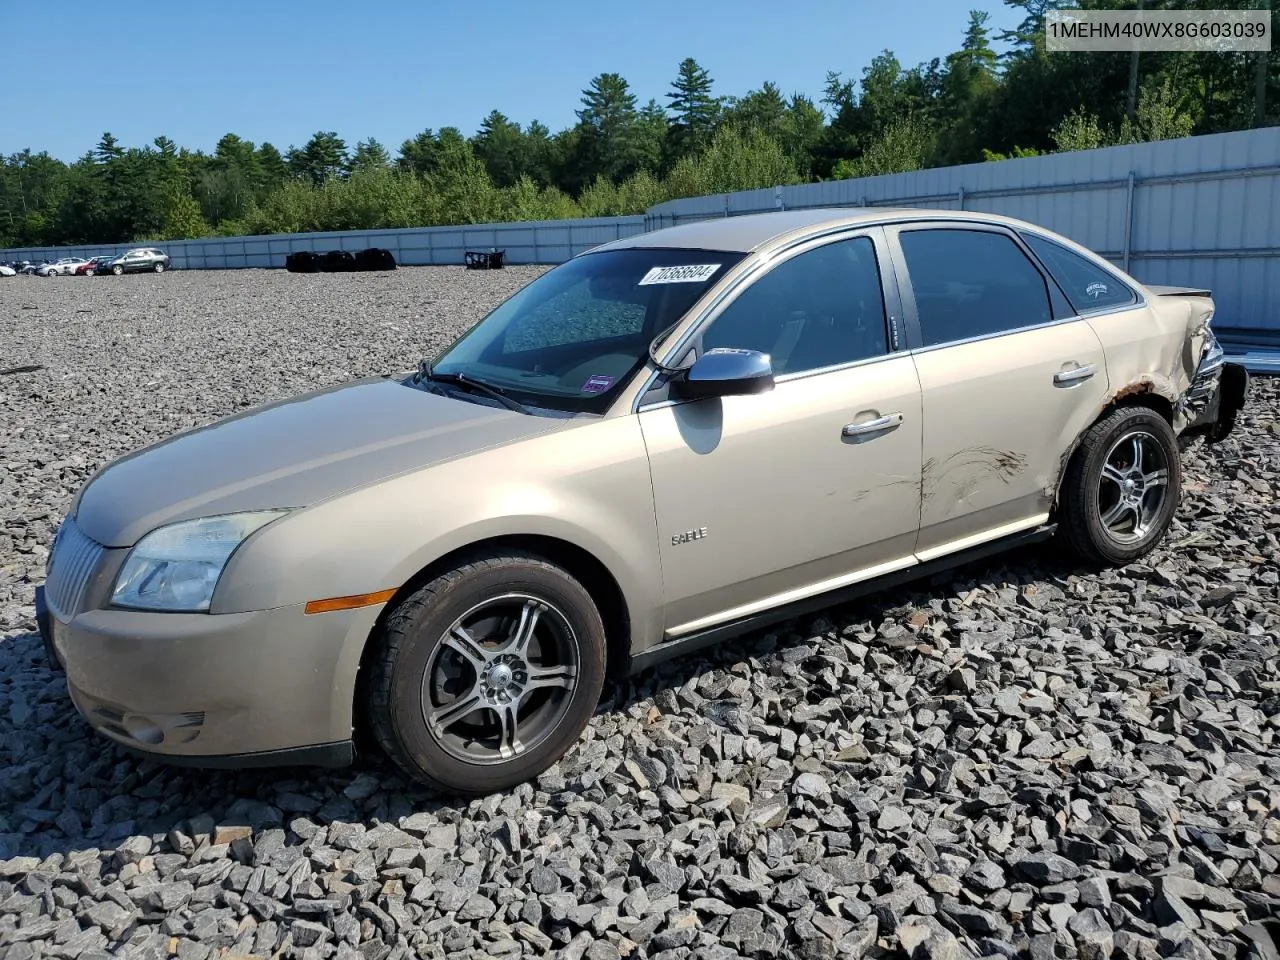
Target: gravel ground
<point x="1023" y="758"/>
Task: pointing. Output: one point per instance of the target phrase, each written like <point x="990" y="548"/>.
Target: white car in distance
<point x="60" y="268"/>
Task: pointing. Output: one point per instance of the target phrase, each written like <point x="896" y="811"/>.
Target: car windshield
<point x="570" y="339"/>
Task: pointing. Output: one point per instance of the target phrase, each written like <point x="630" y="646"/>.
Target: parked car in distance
<point x="7" y="271"/>
<point x="59" y="268"/>
<point x="138" y="260"/>
<point x="662" y="442"/>
<point x="93" y="265"/>
<point x="29" y="267"/>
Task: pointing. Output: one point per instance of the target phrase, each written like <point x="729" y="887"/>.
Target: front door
<point x="774" y="497"/>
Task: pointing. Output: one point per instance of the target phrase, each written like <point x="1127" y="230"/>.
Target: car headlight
<point x="176" y="567"/>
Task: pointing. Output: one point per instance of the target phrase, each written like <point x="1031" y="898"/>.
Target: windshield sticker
<point x="689" y="273"/>
<point x="598" y="383"/>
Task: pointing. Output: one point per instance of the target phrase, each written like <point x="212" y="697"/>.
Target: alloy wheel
<point x="1133" y="487"/>
<point x="501" y="679"/>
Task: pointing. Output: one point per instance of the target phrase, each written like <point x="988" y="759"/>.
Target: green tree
<point x="1159" y="116"/>
<point x="108" y="149"/>
<point x="903" y="146"/>
<point x="734" y="161"/>
<point x="183" y="219"/>
<point x="764" y="110"/>
<point x="500" y="145"/>
<point x="967" y="86"/>
<point x="604" y="142"/>
<point x="1078" y="131"/>
<point x="369" y="154"/>
<point x="541" y="159"/>
<point x="273" y="166"/>
<point x="322" y="157"/>
<point x="651" y="133"/>
<point x="694" y="110"/>
<point x="418" y="154"/>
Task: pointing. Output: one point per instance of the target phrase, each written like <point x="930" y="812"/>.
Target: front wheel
<point x="1122" y="488"/>
<point x="485" y="676"/>
<point x="117" y="270"/>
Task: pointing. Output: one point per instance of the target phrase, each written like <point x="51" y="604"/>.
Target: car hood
<point x="292" y="454"/>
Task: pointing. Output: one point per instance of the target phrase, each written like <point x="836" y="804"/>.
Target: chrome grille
<point x="72" y="563"/>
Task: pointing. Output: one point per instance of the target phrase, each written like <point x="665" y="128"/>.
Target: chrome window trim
<point x="915" y="351"/>
<point x="1106" y="311"/>
<point x="763" y="263"/>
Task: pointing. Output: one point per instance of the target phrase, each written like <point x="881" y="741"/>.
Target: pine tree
<point x="694" y="110"/>
<point x="370" y="155"/>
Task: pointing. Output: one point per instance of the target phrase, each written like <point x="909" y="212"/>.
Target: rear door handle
<point x="867" y="427"/>
<point x="1067" y="378"/>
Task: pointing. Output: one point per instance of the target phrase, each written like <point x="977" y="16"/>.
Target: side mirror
<point x="725" y="372"/>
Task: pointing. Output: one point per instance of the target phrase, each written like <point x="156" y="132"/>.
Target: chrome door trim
<point x="799" y="593"/>
<point x="975" y="539"/>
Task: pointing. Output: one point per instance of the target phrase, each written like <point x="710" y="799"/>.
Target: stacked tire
<point x="340" y="261"/>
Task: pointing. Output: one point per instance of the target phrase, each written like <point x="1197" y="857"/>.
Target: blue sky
<point x="279" y="70"/>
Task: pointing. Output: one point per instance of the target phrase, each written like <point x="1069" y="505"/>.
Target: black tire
<point x="412" y="642"/>
<point x="117" y="270"/>
<point x="158" y="268"/>
<point x="1088" y="496"/>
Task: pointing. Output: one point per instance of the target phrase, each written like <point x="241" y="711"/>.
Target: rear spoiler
<point x="1179" y="291"/>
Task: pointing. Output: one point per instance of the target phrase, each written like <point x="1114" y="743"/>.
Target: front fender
<point x="588" y="486"/>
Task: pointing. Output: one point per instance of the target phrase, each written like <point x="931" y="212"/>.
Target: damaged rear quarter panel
<point x="1154" y="348"/>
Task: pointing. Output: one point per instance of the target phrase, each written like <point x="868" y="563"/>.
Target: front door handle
<point x="1068" y="378"/>
<point x="867" y="427"/>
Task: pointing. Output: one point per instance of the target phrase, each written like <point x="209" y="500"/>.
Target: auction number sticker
<point x="689" y="273"/>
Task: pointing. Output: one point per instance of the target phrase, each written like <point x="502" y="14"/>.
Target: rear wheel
<point x="159" y="268"/>
<point x="1122" y="488"/>
<point x="484" y="677"/>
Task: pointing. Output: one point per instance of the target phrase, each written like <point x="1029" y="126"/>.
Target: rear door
<point x="774" y="497"/>
<point x="1009" y="375"/>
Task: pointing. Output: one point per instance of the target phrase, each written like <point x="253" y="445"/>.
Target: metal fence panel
<point x="549" y="241"/>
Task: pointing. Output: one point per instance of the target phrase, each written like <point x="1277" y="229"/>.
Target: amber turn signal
<point x="348" y="603"/>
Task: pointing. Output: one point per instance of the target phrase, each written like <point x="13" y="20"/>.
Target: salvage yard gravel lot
<point x="1021" y="757"/>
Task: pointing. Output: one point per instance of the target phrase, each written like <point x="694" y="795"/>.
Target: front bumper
<point x="267" y="688"/>
<point x="1217" y="393"/>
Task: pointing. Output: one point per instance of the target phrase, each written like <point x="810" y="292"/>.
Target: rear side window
<point x="1086" y="285"/>
<point x="972" y="283"/>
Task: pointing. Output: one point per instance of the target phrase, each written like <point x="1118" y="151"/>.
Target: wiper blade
<point x="471" y="383"/>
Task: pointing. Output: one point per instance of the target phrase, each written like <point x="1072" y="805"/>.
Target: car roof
<point x="759" y="231"/>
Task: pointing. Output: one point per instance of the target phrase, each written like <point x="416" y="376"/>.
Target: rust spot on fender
<point x="1145" y="385"/>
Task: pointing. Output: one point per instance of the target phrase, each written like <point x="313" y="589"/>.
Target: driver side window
<point x="821" y="308"/>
